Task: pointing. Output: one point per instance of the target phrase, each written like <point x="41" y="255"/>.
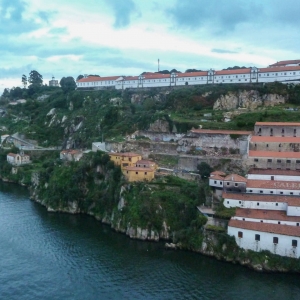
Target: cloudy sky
<point x="126" y="37"/>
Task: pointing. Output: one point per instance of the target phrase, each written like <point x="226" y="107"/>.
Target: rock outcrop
<point x="248" y="100"/>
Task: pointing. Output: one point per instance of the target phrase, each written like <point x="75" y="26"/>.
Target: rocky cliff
<point x="248" y="100"/>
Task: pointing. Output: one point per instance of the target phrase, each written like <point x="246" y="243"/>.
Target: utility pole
<point x="158" y="65"/>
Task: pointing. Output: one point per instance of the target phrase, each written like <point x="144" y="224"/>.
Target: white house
<point x="18" y="159"/>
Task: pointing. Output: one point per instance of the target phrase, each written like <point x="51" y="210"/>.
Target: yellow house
<point x="138" y="174"/>
<point x="127" y="159"/>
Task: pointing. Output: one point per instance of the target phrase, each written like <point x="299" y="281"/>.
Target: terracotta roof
<point x="125" y="154"/>
<point x="210" y="131"/>
<point x="291" y="200"/>
<point x="235" y="177"/>
<point x="96" y="78"/>
<point x="217" y="177"/>
<point x="286" y="62"/>
<point x="266" y="227"/>
<point x="156" y="76"/>
<point x="192" y="74"/>
<point x="233" y="72"/>
<point x="265" y="214"/>
<point x="274" y="172"/>
<point x="254" y="153"/>
<point x="131" y="78"/>
<point x="138" y="169"/>
<point x="12" y="154"/>
<point x="218" y="173"/>
<point x="275" y="139"/>
<point x="279" y="69"/>
<point x="273" y="184"/>
<point x="277" y="124"/>
<point x="144" y="161"/>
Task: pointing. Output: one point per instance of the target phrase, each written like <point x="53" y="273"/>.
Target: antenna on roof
<point x="158" y="65"/>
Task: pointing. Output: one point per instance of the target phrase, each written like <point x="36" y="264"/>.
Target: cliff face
<point x="247" y="99"/>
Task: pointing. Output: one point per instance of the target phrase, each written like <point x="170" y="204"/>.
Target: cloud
<point x="215" y="50"/>
<point x="123" y="11"/>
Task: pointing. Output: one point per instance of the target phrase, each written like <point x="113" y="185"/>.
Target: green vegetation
<point x="224" y="212"/>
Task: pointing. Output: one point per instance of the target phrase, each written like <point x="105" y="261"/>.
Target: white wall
<point x="293" y="211"/>
<point x="253" y="204"/>
<point x="283" y="248"/>
<point x="276" y="177"/>
<point x="272" y="191"/>
<point x="216" y="183"/>
<point x="266" y="221"/>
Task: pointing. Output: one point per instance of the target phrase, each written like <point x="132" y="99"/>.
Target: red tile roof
<point x="277" y="124"/>
<point x="96" y="78"/>
<point x="279" y="69"/>
<point x="131" y="78"/>
<point x="233" y="72"/>
<point x="266" y="227"/>
<point x="285" y="62"/>
<point x="220" y="173"/>
<point x="254" y="153"/>
<point x="156" y="76"/>
<point x="12" y="154"/>
<point x="138" y="169"/>
<point x="274" y="172"/>
<point x="210" y="131"/>
<point x="192" y="74"/>
<point x="273" y="184"/>
<point x="275" y="139"/>
<point x="235" y="177"/>
<point x="217" y="177"/>
<point x="265" y="214"/>
<point x="125" y="154"/>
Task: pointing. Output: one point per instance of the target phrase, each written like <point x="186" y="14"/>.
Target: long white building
<point x="284" y="71"/>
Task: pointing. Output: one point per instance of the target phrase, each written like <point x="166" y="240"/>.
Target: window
<point x="235" y="184"/>
<point x="272" y="177"/>
<point x="275" y="240"/>
<point x="281" y="193"/>
<point x="240" y="202"/>
<point x="297" y="224"/>
<point x="250" y="191"/>
<point x="261" y="221"/>
<point x="256" y="159"/>
<point x="145" y="173"/>
<point x="291" y="193"/>
<point x="288" y="161"/>
<point x="267" y="145"/>
<point x="294" y="243"/>
<point x="227" y="183"/>
<point x="260" y="192"/>
<point x="271" y="192"/>
<point x="215" y="182"/>
<point x="269" y="160"/>
<point x="276" y="204"/>
<point x="257" y="203"/>
<point x="220" y="182"/>
<point x="279" y="160"/>
<point x="136" y="172"/>
<point x="240" y="234"/>
<point x="257" y="237"/>
<point x="243" y="219"/>
<point x="279" y="223"/>
<point x="227" y="202"/>
<point x="297" y="161"/>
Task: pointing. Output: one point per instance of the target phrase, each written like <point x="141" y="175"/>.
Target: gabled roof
<point x="234" y="72"/>
<point x="285" y="62"/>
<point x="12" y="154"/>
<point x="96" y="78"/>
<point x="235" y="177"/>
<point x="217" y="177"/>
<point x="273" y="184"/>
<point x="156" y="76"/>
<point x="220" y="173"/>
<point x="279" y="69"/>
<point x="277" y="124"/>
<point x="265" y="214"/>
<point x="276" y="154"/>
<point x="144" y="161"/>
<point x="266" y="227"/>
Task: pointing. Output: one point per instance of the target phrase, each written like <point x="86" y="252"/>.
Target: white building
<point x="18" y="159"/>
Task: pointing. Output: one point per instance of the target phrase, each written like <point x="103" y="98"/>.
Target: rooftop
<point x="277" y="123"/>
<point x="266" y="227"/>
<point x="233" y="72"/>
<point x="96" y="78"/>
<point x="210" y="131"/>
<point x="217" y="177"/>
<point x="254" y="153"/>
<point x="265" y="214"/>
<point x="273" y="184"/>
<point x="235" y="177"/>
<point x="285" y="62"/>
<point x="144" y="161"/>
<point x="279" y="69"/>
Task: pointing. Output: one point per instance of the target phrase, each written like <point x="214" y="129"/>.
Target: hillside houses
<point x="267" y="200"/>
<point x="18" y="159"/>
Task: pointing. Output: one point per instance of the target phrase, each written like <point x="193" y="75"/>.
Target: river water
<point x="60" y="256"/>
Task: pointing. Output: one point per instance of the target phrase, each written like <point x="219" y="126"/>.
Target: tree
<point x="24" y="80"/>
<point x="204" y="169"/>
<point x="67" y="84"/>
<point x="192" y="70"/>
<point x="174" y="71"/>
<point x="79" y="77"/>
<point x="35" y="78"/>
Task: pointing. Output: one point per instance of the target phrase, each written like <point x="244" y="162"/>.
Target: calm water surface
<point x="59" y="256"/>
